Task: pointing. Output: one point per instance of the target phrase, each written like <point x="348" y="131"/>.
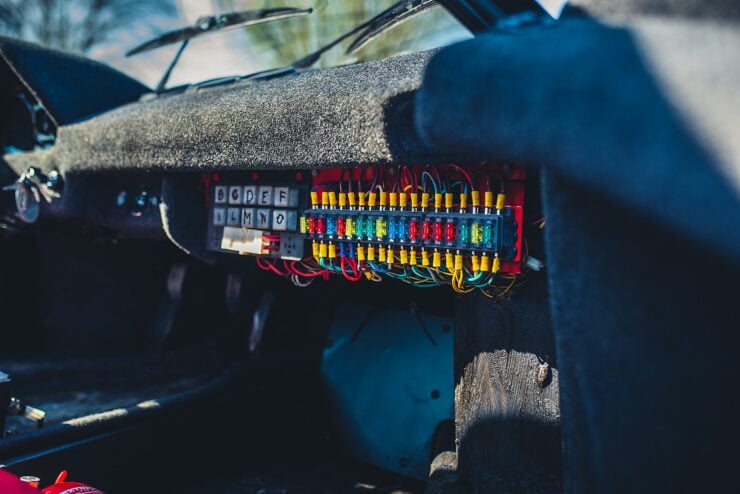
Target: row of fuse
<point x="391" y="256"/>
<point x="460" y="232"/>
<point x="451" y="233"/>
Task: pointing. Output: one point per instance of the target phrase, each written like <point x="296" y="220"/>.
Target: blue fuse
<point x="403" y="229"/>
<point x="391" y="228"/>
<point x="331" y="226"/>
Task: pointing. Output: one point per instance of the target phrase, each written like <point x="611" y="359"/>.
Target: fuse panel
<point x="257" y="213"/>
<point x="426" y="225"/>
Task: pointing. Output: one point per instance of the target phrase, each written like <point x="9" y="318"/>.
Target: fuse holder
<point x="360" y="253"/>
<point x="485" y="264"/>
<point x="314" y="198"/>
<point x="382" y="254"/>
<point x="424" y="258"/>
<point x="449" y="260"/>
<point x="496" y="265"/>
<point x="372" y="198"/>
<point x="424" y="200"/>
<point x="414" y="199"/>
<point x="463" y="202"/>
<point x="500" y="201"/>
<point x="383" y="199"/>
<point x="332" y="251"/>
<point x="436" y="260"/>
<point x="370" y="252"/>
<point x="333" y="199"/>
<point x="437" y="200"/>
<point x="342" y="200"/>
<point x="412" y="257"/>
<point x="475" y="198"/>
<point x="322" y="250"/>
<point x="475" y="263"/>
<point x="351" y="199"/>
<point x="488" y="199"/>
<point x="404" y="257"/>
<point x="449" y="200"/>
<point x="402" y="198"/>
<point x="458" y="262"/>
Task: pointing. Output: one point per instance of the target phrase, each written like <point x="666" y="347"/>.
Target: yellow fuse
<point x="414" y="200"/>
<point x="401" y="199"/>
<point x="333" y="199"/>
<point x="488" y="199"/>
<point x="424" y="200"/>
<point x="315" y="249"/>
<point x="351" y="199"/>
<point x="322" y="250"/>
<point x="381" y="254"/>
<point x="436" y="259"/>
<point x="424" y="258"/>
<point x="371" y="198"/>
<point x="449" y="260"/>
<point x="361" y="199"/>
<point x="381" y="228"/>
<point x="360" y="253"/>
<point x="476" y="233"/>
<point x="349" y="227"/>
<point x="458" y="262"/>
<point x="463" y="202"/>
<point x="437" y="200"/>
<point x="500" y="200"/>
<point x="383" y="199"/>
<point x="496" y="265"/>
<point x="393" y="199"/>
<point x="475" y="198"/>
<point x="302" y="224"/>
<point x="412" y="257"/>
<point x="370" y="252"/>
<point x="449" y="199"/>
<point x="485" y="265"/>
<point x="475" y="261"/>
<point x="390" y="255"/>
<point x="342" y="200"/>
<point x="332" y="251"/>
<point x="314" y="198"/>
<point x="404" y="256"/>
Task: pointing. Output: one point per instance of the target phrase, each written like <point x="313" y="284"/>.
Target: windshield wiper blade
<point x="386" y="23"/>
<point x="220" y="22"/>
<point x="399" y="8"/>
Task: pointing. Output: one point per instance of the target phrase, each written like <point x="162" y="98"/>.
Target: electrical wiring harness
<point x="424" y="225"/>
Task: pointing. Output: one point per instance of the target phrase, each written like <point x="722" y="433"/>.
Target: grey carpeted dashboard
<point x="356" y="114"/>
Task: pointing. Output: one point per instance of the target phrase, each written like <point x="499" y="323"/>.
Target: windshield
<point x="278" y="43"/>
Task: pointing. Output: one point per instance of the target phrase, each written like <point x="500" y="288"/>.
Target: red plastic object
<point x="341" y="226"/>
<point x="10" y="484"/>
<point x="437" y="228"/>
<point x="450" y="232"/>
<point x="413" y="229"/>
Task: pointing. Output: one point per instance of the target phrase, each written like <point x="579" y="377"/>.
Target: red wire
<point x="353" y="265"/>
<point x="268" y="266"/>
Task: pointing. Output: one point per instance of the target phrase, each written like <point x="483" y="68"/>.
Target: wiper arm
<point x="402" y="9"/>
<point x="384" y="24"/>
<point x="220" y="22"/>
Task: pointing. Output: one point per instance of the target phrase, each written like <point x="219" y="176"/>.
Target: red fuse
<point x="426" y="230"/>
<point x="311" y="227"/>
<point x="437" y="232"/>
<point x="413" y="229"/>
<point x="341" y="226"/>
<point x="450" y="231"/>
<point x="321" y="225"/>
